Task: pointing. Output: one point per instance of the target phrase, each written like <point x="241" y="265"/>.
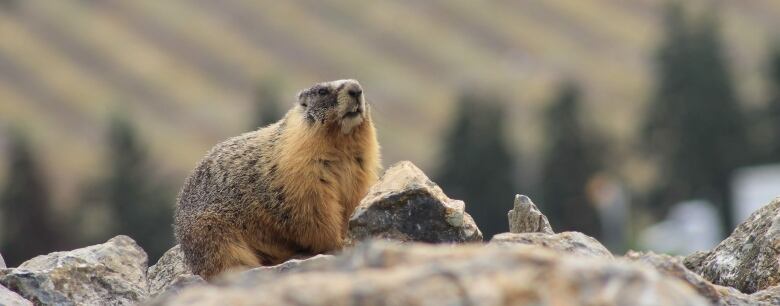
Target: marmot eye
<point x="323" y="91"/>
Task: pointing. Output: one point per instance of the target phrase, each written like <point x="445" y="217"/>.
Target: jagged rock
<point x="2" y="262"/>
<point x="10" y="298"/>
<point x="406" y="206"/>
<point x="383" y="273"/>
<point x="749" y="259"/>
<point x="525" y="217"/>
<point x="112" y="273"/>
<point x="170" y="273"/>
<point x="574" y="243"/>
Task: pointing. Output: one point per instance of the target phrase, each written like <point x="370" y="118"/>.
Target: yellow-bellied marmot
<point x="283" y="190"/>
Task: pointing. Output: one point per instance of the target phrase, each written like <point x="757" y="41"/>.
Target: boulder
<point x="673" y="266"/>
<point x="525" y="217"/>
<point x="112" y="273"/>
<point x="170" y="273"/>
<point x="749" y="259"/>
<point x="385" y="273"/>
<point x="574" y="243"/>
<point x="406" y="206"/>
<point x="10" y="298"/>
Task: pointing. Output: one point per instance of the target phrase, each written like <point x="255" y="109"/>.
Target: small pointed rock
<point x="525" y="217"/>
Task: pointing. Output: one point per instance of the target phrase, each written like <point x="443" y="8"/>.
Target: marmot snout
<point x="283" y="190"/>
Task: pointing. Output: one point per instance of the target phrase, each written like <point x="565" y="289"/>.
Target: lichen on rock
<point x="749" y="259"/>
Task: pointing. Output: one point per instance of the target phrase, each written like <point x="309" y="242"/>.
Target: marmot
<point x="284" y="190"/>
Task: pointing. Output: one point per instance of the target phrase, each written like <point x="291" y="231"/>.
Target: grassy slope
<point x="185" y="70"/>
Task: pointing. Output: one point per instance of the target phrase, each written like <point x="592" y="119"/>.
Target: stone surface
<point x="384" y="273"/>
<point x="673" y="266"/>
<point x="10" y="298"/>
<point x="525" y="217"/>
<point x="170" y="273"/>
<point x="112" y="273"/>
<point x="574" y="243"/>
<point x="2" y="262"/>
<point x="749" y="259"/>
<point x="406" y="206"/>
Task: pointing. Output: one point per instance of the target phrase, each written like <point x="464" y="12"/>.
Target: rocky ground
<point x="415" y="246"/>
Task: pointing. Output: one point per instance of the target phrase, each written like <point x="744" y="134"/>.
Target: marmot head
<point x="336" y="103"/>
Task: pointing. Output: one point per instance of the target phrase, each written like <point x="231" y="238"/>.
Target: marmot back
<point x="284" y="190"/>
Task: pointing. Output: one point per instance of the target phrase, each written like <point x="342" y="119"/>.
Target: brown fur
<point x="284" y="190"/>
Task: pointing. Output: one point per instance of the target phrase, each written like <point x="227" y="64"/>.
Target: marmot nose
<point x="354" y="92"/>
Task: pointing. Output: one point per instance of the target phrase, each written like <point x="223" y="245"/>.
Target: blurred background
<point x="646" y="124"/>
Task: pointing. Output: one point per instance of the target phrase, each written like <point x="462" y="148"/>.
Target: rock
<point x="574" y="243"/>
<point x="525" y="217"/>
<point x="384" y="273"/>
<point x="10" y="298"/>
<point x="673" y="267"/>
<point x="112" y="273"/>
<point x="2" y="262"/>
<point x="749" y="259"/>
<point x="406" y="206"/>
<point x="293" y="265"/>
<point x="170" y="273"/>
<point x="770" y="296"/>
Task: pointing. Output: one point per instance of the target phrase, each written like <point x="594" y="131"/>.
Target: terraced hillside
<point x="186" y="70"/>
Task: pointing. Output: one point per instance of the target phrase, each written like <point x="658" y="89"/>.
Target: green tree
<point x="27" y="226"/>
<point x="266" y="105"/>
<point x="694" y="123"/>
<point x="772" y="115"/>
<point x="571" y="159"/>
<point x="142" y="205"/>
<point x="477" y="163"/>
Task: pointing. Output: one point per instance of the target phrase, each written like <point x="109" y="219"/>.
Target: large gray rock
<point x="171" y="273"/>
<point x="749" y="259"/>
<point x="406" y="206"/>
<point x="10" y="298"/>
<point x="383" y="273"/>
<point x="112" y="273"/>
<point x="574" y="243"/>
<point x="525" y="217"/>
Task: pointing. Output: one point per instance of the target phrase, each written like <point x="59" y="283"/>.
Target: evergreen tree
<point x="477" y="164"/>
<point x="772" y="115"/>
<point x="694" y="122"/>
<point x="27" y="226"/>
<point x="571" y="159"/>
<point x="142" y="205"/>
<point x="266" y="104"/>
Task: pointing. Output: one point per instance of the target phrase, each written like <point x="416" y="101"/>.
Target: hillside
<point x="186" y="70"/>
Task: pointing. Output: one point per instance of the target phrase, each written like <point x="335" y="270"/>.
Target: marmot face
<point x="338" y="103"/>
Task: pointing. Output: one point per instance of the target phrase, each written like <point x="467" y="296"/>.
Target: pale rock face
<point x="749" y="259"/>
<point x="525" y="217"/>
<point x="10" y="298"/>
<point x="407" y="206"/>
<point x="112" y="273"/>
<point x="170" y="273"/>
<point x="384" y="273"/>
<point x="573" y="243"/>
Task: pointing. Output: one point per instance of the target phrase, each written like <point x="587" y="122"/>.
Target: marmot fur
<point x="284" y="190"/>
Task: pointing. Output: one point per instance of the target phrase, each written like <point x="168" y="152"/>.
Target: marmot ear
<point x="299" y="98"/>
